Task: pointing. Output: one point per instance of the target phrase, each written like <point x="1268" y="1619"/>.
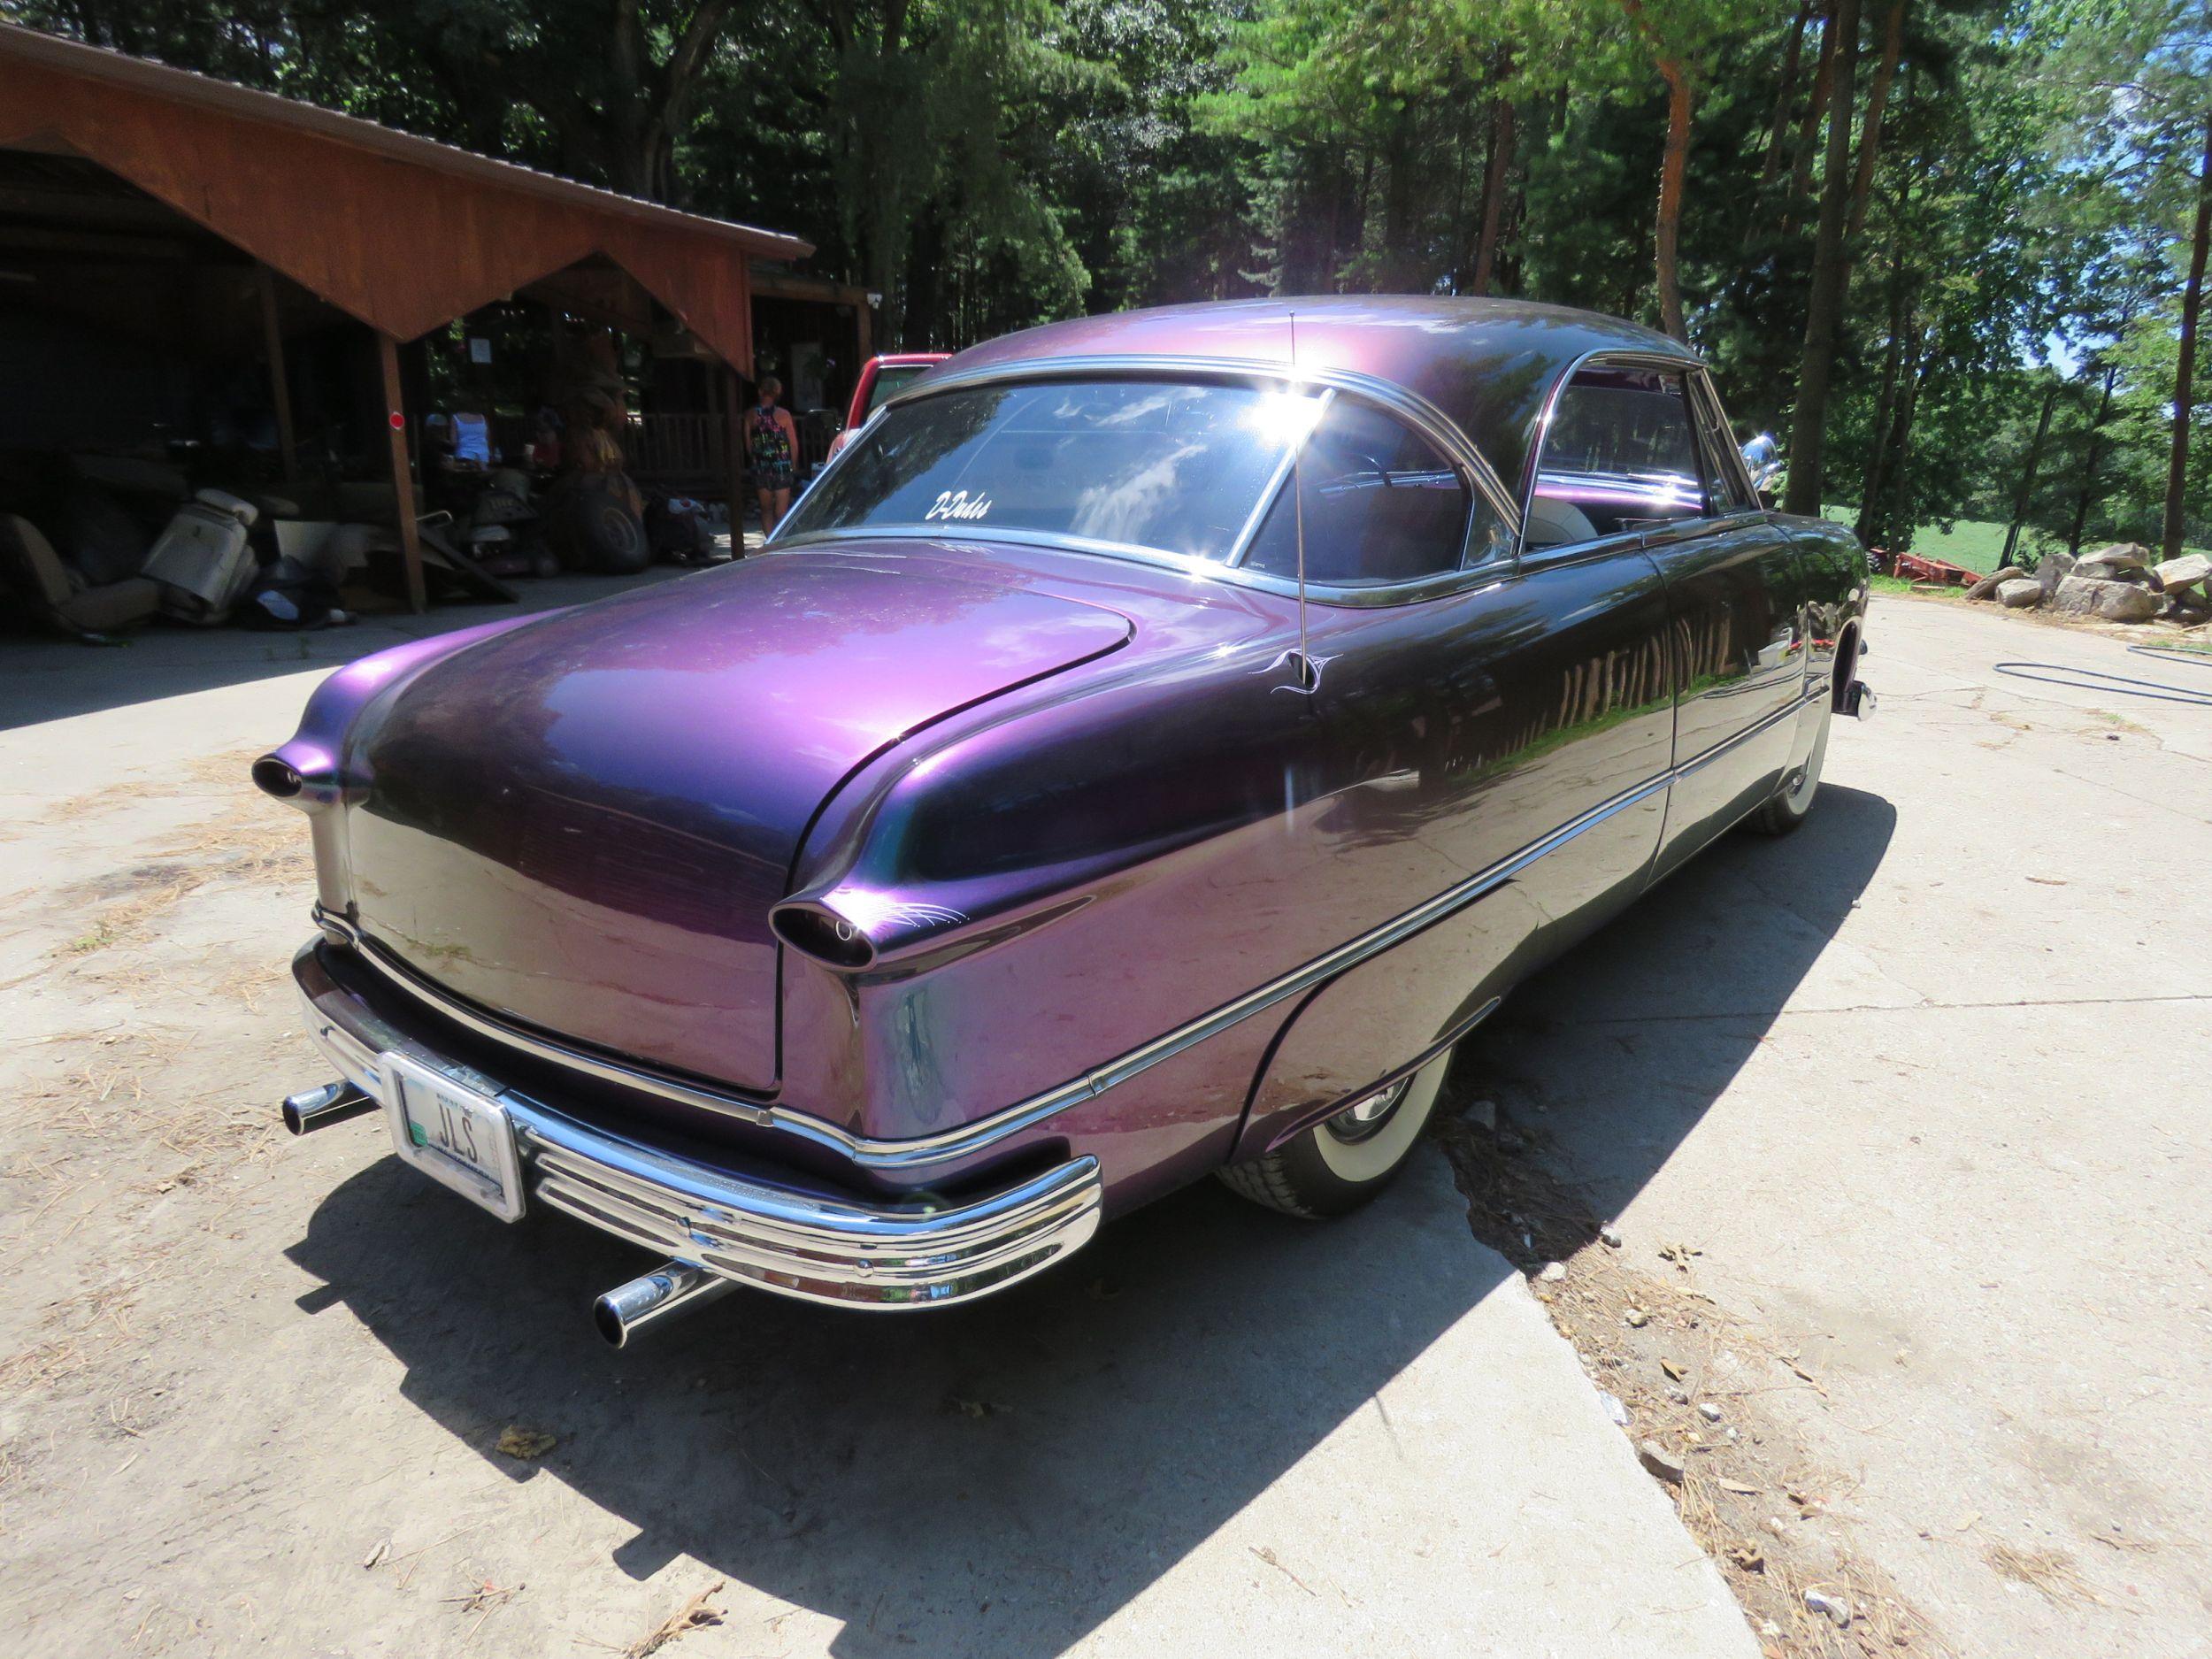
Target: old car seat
<point x="58" y="595"/>
<point x="1555" y="523"/>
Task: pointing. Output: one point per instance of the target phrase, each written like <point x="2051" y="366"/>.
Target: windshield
<point x="1175" y="466"/>
<point x="892" y="377"/>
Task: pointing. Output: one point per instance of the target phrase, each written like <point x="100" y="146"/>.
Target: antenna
<point x="1306" y="679"/>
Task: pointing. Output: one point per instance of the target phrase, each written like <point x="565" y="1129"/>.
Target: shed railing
<point x="676" y="446"/>
<point x="692" y="445"/>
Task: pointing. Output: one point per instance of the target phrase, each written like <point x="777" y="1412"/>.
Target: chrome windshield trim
<point x="1402" y="401"/>
<point x="1377" y="597"/>
<point x="1049" y="541"/>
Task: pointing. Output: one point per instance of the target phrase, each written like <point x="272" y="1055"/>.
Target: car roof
<point x="1487" y="363"/>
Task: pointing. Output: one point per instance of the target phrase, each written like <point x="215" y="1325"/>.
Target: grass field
<point x="1898" y="585"/>
<point x="1973" y="542"/>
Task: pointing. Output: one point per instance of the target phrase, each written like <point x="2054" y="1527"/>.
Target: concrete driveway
<point x="1924" y="1085"/>
<point x="252" y="1390"/>
<point x="1930" y="1087"/>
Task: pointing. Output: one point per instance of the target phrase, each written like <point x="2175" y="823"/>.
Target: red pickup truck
<point x="879" y="378"/>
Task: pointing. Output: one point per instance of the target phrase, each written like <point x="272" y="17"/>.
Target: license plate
<point x="456" y="1135"/>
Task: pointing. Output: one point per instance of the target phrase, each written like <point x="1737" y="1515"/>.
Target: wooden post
<point x="280" y="388"/>
<point x="733" y="446"/>
<point x="403" y="479"/>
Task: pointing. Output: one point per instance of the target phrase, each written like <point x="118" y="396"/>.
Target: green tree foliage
<point x="2013" y="183"/>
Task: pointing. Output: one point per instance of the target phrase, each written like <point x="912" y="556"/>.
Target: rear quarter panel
<point x="1836" y="587"/>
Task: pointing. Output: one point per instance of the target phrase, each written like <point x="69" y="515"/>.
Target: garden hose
<point x="2095" y="679"/>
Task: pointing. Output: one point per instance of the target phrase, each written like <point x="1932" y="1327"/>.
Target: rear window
<point x="1172" y="466"/>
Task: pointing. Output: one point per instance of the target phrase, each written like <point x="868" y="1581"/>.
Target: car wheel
<point x="1794" y="804"/>
<point x="1341" y="1163"/>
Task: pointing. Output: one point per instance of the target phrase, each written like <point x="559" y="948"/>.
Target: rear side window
<point x="1382" y="505"/>
<point x="1621" y="455"/>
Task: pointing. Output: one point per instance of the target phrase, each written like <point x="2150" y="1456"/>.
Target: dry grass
<point x="132" y="1104"/>
<point x="483" y="1598"/>
<point x="225" y="774"/>
<point x="697" y="1613"/>
<point x="1751" y="1493"/>
<point x="2049" y="1572"/>
<point x="96" y="1327"/>
<point x="250" y="839"/>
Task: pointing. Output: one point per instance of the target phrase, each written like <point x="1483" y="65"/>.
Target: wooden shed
<point x="122" y="171"/>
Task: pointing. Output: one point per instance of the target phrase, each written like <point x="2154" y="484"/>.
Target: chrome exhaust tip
<point x="1858" y="702"/>
<point x="671" y="1287"/>
<point x="319" y="1107"/>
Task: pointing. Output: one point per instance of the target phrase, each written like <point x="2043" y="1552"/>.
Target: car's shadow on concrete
<point x="1612" y="1055"/>
<point x="1000" y="1479"/>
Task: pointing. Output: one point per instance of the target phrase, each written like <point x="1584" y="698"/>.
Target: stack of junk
<point x="91" y="546"/>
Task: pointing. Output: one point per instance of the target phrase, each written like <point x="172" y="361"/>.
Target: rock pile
<point x="2118" y="583"/>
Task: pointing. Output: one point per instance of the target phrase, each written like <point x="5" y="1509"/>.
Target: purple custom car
<point x="1144" y="752"/>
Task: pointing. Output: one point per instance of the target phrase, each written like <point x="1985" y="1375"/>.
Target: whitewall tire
<point x="1794" y="804"/>
<point x="1338" y="1165"/>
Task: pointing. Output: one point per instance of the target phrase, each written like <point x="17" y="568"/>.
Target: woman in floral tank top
<point x="771" y="442"/>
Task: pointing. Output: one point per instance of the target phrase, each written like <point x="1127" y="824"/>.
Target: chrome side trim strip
<point x="1458" y="1029"/>
<point x="971" y="1137"/>
<point x="1707" y="757"/>
<point x="950" y="1145"/>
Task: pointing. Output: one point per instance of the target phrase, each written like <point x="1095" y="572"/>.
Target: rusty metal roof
<point x="186" y="86"/>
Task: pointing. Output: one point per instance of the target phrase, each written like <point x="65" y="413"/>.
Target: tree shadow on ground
<point x="1000" y="1478"/>
<point x="57" y="679"/>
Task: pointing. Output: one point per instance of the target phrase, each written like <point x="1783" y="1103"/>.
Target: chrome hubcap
<point x="1365" y="1118"/>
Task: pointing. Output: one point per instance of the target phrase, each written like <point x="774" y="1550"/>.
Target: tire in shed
<point x="592" y="529"/>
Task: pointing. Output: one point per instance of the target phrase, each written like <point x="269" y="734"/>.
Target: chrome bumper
<point x="810" y="1246"/>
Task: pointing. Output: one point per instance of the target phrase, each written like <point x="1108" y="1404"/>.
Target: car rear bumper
<point x="743" y="1225"/>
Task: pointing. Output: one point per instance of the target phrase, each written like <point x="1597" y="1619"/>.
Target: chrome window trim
<point x="1408" y="405"/>
<point x="1272" y="489"/>
<point x="1546" y="558"/>
<point x="1377" y="597"/>
<point x="1729" y="449"/>
<point x="1605" y="357"/>
<point x="1406" y="592"/>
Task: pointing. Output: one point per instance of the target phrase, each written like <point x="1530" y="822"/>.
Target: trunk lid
<point x="581" y="824"/>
